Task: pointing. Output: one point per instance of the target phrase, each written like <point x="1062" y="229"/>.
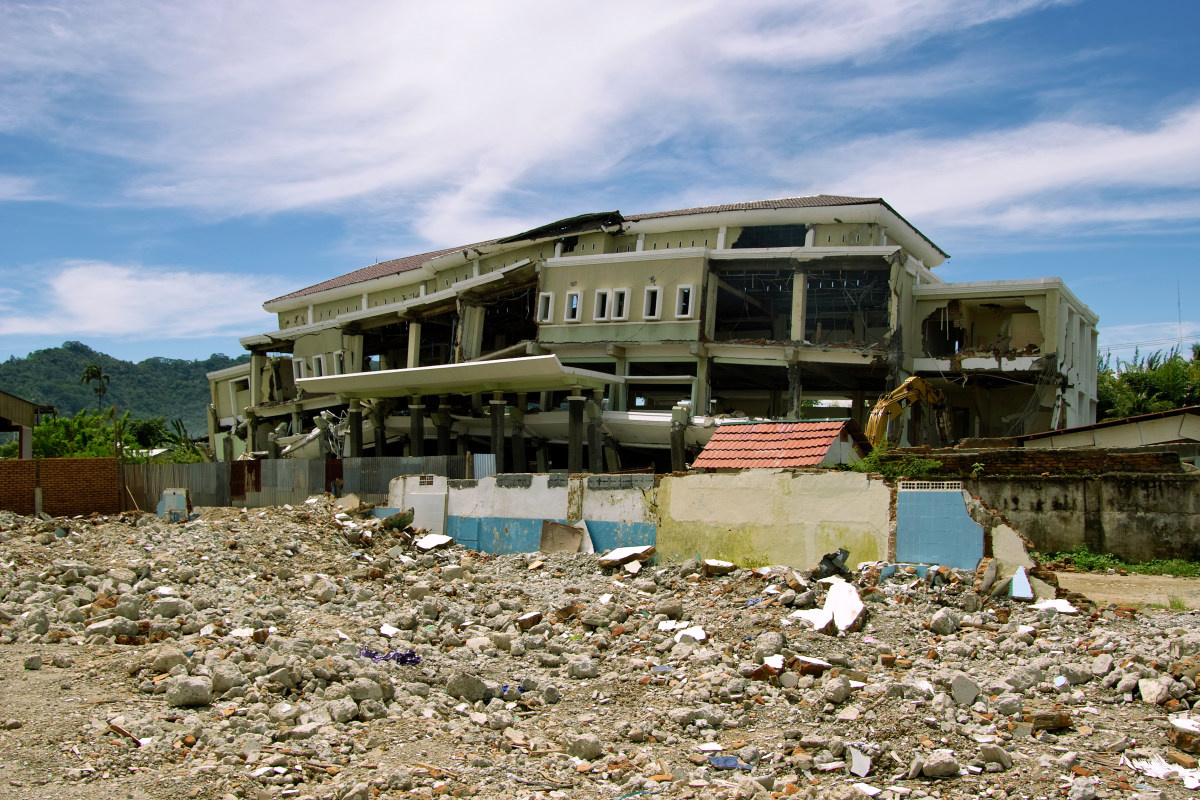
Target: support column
<point x="354" y="434"/>
<point x="857" y="403"/>
<point x="595" y="453"/>
<point x="679" y="416"/>
<point x="612" y="460"/>
<point x="539" y="450"/>
<point x="575" y="404"/>
<point x="416" y="422"/>
<point x="799" y="304"/>
<point x="702" y="394"/>
<point x="520" y="460"/>
<point x="795" y="408"/>
<point x="497" y="404"/>
<point x="442" y="422"/>
<point x="26" y="442"/>
<point x="258" y="362"/>
<point x="414" y="344"/>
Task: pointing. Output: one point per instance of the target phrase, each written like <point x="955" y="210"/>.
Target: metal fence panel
<point x="207" y="484"/>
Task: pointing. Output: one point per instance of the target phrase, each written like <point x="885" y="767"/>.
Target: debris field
<point x="317" y="652"/>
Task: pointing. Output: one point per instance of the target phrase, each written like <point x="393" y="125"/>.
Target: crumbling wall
<point x="765" y="517"/>
<point x="1137" y="517"/>
<point x="69" y="486"/>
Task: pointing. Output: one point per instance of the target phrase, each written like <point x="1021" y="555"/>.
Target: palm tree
<point x="92" y="372"/>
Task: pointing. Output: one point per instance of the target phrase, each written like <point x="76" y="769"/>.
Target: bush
<point x="896" y="466"/>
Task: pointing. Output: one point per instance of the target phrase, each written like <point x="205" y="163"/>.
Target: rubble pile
<point x="315" y="652"/>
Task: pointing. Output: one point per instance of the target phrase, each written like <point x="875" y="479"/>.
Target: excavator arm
<point x="894" y="403"/>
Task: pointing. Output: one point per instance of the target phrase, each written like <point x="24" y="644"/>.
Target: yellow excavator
<point x="894" y="403"/>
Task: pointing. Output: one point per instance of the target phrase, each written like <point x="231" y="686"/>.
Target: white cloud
<point x="437" y="112"/>
<point x="16" y="187"/>
<point x="88" y="298"/>
<point x="1045" y="175"/>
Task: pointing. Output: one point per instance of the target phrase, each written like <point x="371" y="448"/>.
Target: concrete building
<point x="630" y="333"/>
<point x="21" y="416"/>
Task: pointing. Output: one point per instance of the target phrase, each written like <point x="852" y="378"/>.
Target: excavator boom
<point x="892" y="405"/>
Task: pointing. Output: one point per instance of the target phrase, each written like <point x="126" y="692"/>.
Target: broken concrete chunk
<point x="944" y="622"/>
<point x="1059" y="605"/>
<point x="623" y="555"/>
<point x="712" y="566"/>
<point x="940" y="764"/>
<point x="432" y="541"/>
<point x="1184" y="733"/>
<point x="846" y="606"/>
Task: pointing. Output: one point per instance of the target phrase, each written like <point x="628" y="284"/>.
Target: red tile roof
<point x="770" y="444"/>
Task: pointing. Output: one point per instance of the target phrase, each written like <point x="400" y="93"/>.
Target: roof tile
<point x="770" y="444"/>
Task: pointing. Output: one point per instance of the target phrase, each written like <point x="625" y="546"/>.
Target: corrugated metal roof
<point x="770" y="444"/>
<point x="810" y="201"/>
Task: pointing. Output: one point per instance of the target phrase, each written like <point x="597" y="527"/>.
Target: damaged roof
<point x="587" y="222"/>
<point x="759" y="445"/>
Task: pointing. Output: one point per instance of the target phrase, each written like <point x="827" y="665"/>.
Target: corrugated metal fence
<point x="208" y="484"/>
<point x="275" y="482"/>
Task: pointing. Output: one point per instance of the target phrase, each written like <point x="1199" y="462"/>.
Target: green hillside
<point x="156" y="387"/>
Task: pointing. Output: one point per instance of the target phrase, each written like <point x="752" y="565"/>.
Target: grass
<point x="1085" y="560"/>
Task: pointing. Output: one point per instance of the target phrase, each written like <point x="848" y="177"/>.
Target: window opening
<point x="571" y="312"/>
<point x="683" y="301"/>
<point x="600" y="309"/>
<point x="650" y="304"/>
<point x="620" y="304"/>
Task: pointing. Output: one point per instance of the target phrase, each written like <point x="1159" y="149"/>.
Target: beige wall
<point x="767" y="517"/>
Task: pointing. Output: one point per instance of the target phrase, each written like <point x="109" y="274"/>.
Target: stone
<point x="187" y="692"/>
<point x="837" y="690"/>
<point x="586" y="747"/>
<point x="581" y="668"/>
<point x="995" y="754"/>
<point x="33" y="662"/>
<point x="166" y="658"/>
<point x="113" y="627"/>
<point x="940" y="764"/>
<point x="1153" y="691"/>
<point x="964" y="690"/>
<point x="465" y="686"/>
<point x="944" y="622"/>
<point x="623" y="555"/>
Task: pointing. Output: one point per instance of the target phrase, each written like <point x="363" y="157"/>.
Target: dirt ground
<point x="1149" y="590"/>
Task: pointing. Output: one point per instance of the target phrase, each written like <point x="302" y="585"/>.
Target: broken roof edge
<point x="579" y="223"/>
<point x="1110" y="423"/>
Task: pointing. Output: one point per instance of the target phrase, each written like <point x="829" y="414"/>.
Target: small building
<point x="21" y="416"/>
<point x="767" y="445"/>
<point x="1177" y="426"/>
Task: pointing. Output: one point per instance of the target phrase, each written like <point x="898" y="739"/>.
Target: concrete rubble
<point x="314" y="652"/>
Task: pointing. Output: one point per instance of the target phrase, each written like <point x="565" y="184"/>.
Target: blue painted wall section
<point x="934" y="527"/>
<point x="499" y="535"/>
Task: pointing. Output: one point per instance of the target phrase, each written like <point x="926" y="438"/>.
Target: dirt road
<point x="1155" y="590"/>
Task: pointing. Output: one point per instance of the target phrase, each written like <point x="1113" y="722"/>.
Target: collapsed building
<point x="634" y="336"/>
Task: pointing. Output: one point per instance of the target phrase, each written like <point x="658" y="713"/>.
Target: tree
<point x="92" y="372"/>
<point x="1146" y="384"/>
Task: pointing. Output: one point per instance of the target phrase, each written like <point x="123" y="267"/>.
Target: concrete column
<point x="520" y="460"/>
<point x="258" y="362"/>
<point x="595" y="451"/>
<point x="470" y="332"/>
<point x="414" y="344"/>
<point x="702" y="392"/>
<point x="857" y="403"/>
<point x="354" y="434"/>
<point x="25" y="435"/>
<point x="721" y="232"/>
<point x="497" y="404"/>
<point x="442" y="422"/>
<point x="575" y="404"/>
<point x="416" y="421"/>
<point x="795" y="408"/>
<point x="799" y="301"/>
<point x="612" y="459"/>
<point x="380" y="433"/>
<point x="539" y="450"/>
<point x="679" y="420"/>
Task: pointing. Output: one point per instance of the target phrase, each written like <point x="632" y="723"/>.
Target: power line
<point x="1149" y="342"/>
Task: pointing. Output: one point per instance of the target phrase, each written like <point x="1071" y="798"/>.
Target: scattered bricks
<point x="1048" y="720"/>
<point x="1182" y="759"/>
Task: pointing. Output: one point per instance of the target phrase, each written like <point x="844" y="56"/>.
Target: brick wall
<point x="1054" y="462"/>
<point x="18" y="478"/>
<point x="69" y="486"/>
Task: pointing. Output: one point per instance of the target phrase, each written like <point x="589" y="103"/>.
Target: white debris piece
<point x="1157" y="767"/>
<point x="774" y="662"/>
<point x="388" y="630"/>
<point x="1061" y="606"/>
<point x="846" y="606"/>
<point x="695" y="632"/>
<point x="432" y="541"/>
<point x="623" y="555"/>
<point x="1021" y="588"/>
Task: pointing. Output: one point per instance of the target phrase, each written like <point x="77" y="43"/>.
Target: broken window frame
<point x="619" y="305"/>
<point x="652" y="303"/>
<point x="601" y="305"/>
<point x="339" y="362"/>
<point x="685" y="301"/>
<point x="573" y="311"/>
<point x="299" y="368"/>
<point x="318" y="366"/>
<point x="545" y="307"/>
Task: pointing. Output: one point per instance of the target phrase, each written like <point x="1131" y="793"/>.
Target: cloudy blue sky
<point x="167" y="167"/>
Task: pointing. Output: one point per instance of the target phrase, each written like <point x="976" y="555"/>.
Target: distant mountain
<point x="156" y="387"/>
